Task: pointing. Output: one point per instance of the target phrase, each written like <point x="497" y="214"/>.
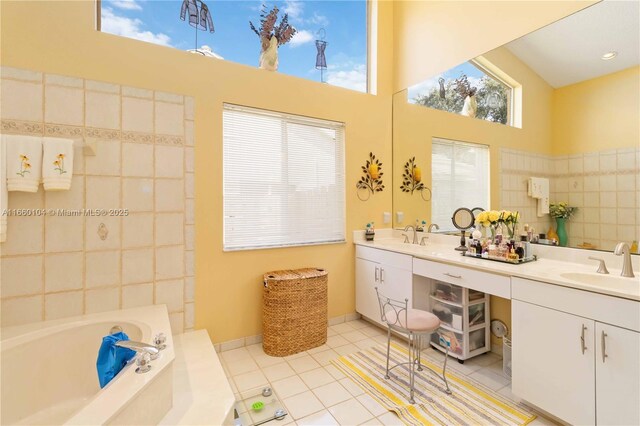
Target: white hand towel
<point x="57" y="163"/>
<point x="4" y="195"/>
<point x="540" y="191"/>
<point x="24" y="162"/>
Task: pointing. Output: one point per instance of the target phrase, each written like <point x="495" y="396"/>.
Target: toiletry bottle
<point x="520" y="251"/>
<point x="512" y="255"/>
<point x="634" y="247"/>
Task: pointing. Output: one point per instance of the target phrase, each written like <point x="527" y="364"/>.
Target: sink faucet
<point x="415" y="233"/>
<point x="622" y="249"/>
<point x="143" y="348"/>
<point x="433" y="225"/>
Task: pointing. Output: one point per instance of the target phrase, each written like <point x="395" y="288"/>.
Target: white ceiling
<point x="569" y="51"/>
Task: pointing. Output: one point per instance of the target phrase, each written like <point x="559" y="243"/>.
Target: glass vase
<point x="561" y="230"/>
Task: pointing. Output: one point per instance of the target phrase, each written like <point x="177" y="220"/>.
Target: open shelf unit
<point x="465" y="317"/>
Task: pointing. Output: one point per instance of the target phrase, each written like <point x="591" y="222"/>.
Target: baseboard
<point x="252" y="340"/>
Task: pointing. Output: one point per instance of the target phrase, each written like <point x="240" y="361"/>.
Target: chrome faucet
<point x="622" y="249"/>
<point x="433" y="225"/>
<point x="602" y="267"/>
<point x="415" y="233"/>
<point x="143" y="348"/>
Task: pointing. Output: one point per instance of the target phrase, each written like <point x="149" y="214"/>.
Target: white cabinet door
<point x="553" y="361"/>
<point x="367" y="279"/>
<point x="396" y="283"/>
<point x="617" y="375"/>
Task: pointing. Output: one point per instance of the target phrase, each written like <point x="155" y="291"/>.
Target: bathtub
<point x="48" y="372"/>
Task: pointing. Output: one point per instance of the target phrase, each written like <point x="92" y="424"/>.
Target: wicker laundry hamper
<point x="294" y="315"/>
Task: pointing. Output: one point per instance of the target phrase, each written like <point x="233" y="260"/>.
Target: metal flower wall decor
<point x="371" y="180"/>
<point x="412" y="180"/>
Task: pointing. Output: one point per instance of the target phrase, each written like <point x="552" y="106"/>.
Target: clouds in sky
<point x="301" y="37"/>
<point x="130" y="27"/>
<point x="125" y="4"/>
<point x="348" y="75"/>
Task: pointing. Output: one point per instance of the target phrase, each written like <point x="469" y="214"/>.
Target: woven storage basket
<point x="294" y="315"/>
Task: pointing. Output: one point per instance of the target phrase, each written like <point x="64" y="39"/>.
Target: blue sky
<point x="158" y="21"/>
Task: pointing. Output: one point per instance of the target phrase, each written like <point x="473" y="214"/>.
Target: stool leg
<point x="411" y="367"/>
<point x="419" y="352"/>
<point x="386" y="375"/>
<point x="444" y="372"/>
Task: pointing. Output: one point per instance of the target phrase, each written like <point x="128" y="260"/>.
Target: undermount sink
<point x="601" y="279"/>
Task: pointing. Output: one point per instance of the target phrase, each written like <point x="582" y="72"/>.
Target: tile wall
<point x="604" y="185"/>
<point x="55" y="266"/>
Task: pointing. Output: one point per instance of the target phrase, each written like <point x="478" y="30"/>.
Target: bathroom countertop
<point x="544" y="269"/>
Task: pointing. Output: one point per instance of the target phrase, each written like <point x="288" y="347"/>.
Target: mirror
<point x="569" y="94"/>
<point x="463" y="219"/>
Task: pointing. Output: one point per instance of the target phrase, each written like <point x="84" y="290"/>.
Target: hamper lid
<point x="289" y="274"/>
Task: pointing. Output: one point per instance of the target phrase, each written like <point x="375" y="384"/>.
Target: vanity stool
<point x="415" y="324"/>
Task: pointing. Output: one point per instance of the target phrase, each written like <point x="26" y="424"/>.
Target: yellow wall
<point x="433" y="36"/>
<point x="598" y="114"/>
<point x="59" y="37"/>
<point x="414" y="127"/>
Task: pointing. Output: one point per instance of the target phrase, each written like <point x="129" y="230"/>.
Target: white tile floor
<point x="314" y="392"/>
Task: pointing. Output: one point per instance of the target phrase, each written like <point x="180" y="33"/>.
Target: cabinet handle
<point x="603" y="340"/>
<point x="376" y="274"/>
<point x="382" y="275"/>
<point x="452" y="276"/>
<point x="583" y="346"/>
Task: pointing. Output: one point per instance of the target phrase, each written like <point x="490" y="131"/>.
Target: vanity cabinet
<point x="617" y="375"/>
<point x="390" y="272"/>
<point x="576" y="354"/>
<point x="551" y="366"/>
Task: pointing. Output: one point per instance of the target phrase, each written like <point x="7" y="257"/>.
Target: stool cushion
<point x="419" y="320"/>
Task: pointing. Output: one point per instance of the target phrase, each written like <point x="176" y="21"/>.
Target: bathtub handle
<point x="160" y="341"/>
<point x="143" y="362"/>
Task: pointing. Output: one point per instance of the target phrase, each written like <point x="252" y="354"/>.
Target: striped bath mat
<point x="469" y="404"/>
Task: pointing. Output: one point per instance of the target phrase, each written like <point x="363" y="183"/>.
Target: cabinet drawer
<point x="498" y="285"/>
<point x="600" y="307"/>
<point x="397" y="260"/>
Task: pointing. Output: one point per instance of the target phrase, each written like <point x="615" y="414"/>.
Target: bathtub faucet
<point x="140" y="347"/>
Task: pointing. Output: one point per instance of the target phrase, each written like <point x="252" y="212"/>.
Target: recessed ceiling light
<point x="609" y="55"/>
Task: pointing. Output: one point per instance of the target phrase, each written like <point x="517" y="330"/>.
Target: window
<point x="342" y="24"/>
<point x="494" y="97"/>
<point x="460" y="178"/>
<point x="283" y="180"/>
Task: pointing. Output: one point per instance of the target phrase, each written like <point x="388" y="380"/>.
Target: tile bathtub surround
<point x="604" y="185"/>
<point x="314" y="392"/>
<point x="59" y="266"/>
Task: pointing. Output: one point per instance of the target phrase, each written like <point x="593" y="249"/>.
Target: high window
<point x="283" y="180"/>
<point x="341" y="24"/>
<point x="460" y="178"/>
<point x="448" y="92"/>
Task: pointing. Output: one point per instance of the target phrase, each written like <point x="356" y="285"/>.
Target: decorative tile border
<point x="169" y="140"/>
<point x="32" y="128"/>
<point x="570" y="175"/>
<point x="66" y="131"/>
<point x="137" y="137"/>
<point x="22" y="127"/>
<point x="92" y="132"/>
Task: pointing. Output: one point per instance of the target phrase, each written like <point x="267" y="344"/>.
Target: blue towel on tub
<point x="111" y="358"/>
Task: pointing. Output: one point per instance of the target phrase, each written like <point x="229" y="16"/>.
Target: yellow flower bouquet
<point x="493" y="218"/>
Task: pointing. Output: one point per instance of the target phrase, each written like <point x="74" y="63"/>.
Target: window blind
<point x="460" y="178"/>
<point x="283" y="179"/>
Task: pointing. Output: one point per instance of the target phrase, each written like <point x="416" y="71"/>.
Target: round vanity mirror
<point x="463" y="219"/>
<point x="476" y="211"/>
